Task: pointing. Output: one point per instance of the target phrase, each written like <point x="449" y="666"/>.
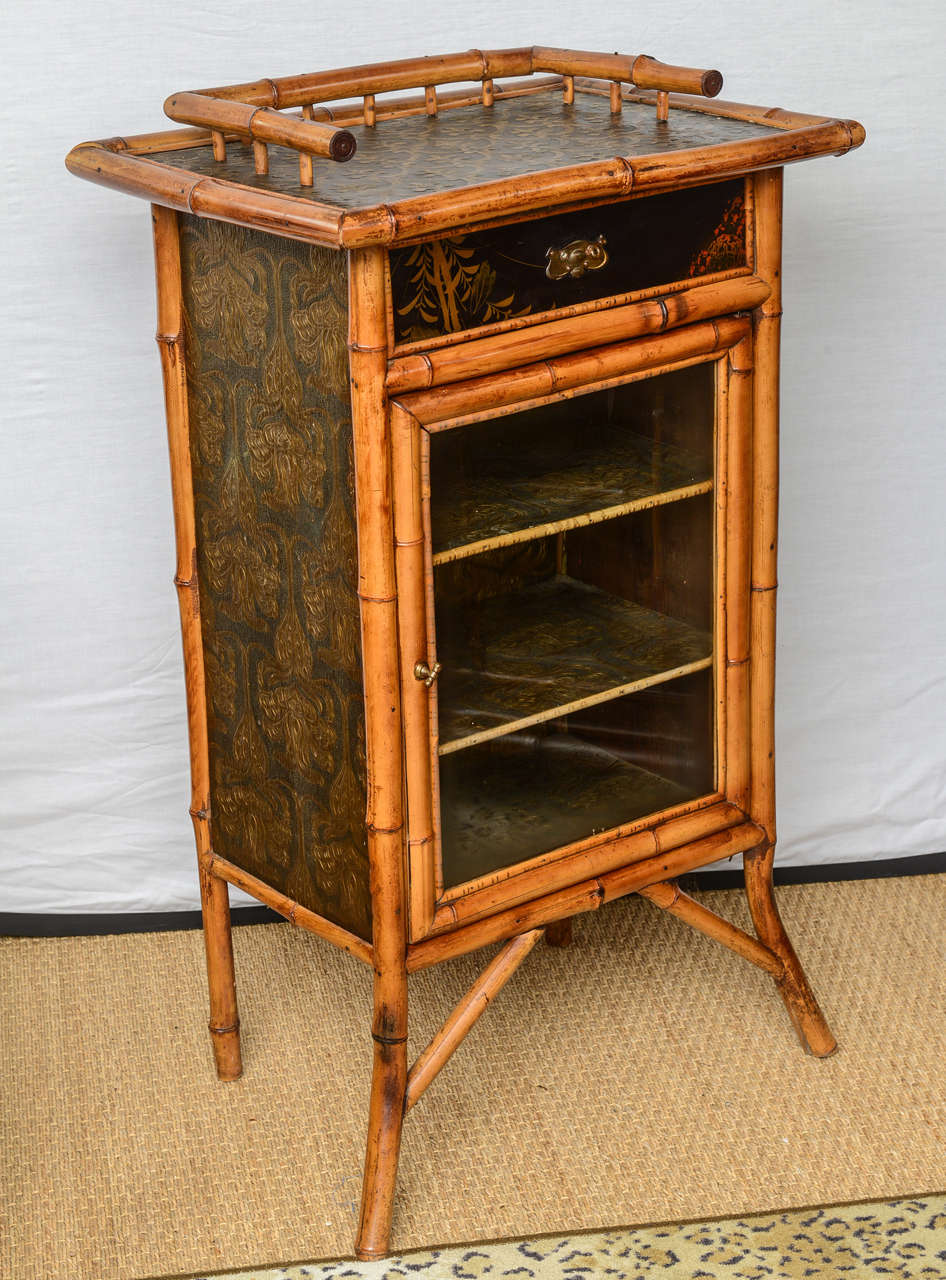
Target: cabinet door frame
<point x="727" y="343"/>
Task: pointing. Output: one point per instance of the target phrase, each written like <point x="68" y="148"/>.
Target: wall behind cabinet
<point x="94" y="759"/>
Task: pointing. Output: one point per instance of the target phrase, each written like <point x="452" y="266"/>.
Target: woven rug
<point x="899" y="1240"/>
<point x="642" y="1075"/>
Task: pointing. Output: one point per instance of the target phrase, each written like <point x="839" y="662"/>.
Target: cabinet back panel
<point x="270" y="420"/>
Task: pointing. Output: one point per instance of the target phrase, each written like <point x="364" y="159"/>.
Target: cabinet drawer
<point x="503" y="274"/>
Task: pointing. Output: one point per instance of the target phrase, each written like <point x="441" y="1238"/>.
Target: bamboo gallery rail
<point x="467" y="561"/>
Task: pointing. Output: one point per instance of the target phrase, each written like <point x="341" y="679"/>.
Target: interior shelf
<point x="549" y="649"/>
<point x="492" y="492"/>
<point x="508" y="801"/>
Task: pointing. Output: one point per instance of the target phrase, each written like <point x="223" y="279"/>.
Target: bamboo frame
<point x="459" y="379"/>
<point x="224" y="1024"/>
<point x="411" y="567"/>
<point x="587" y="895"/>
<point x="435" y="410"/>
<point x="252" y="111"/>
<point x="635" y="844"/>
<point x="477" y="357"/>
<point x="734" y="622"/>
<point x="445" y="407"/>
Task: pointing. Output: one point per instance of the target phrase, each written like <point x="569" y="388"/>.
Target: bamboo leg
<point x="385" y="1120"/>
<point x="807" y="1018"/>
<point x="377" y="591"/>
<point x="224" y="1020"/>
<point x="793" y="986"/>
<point x="214" y="894"/>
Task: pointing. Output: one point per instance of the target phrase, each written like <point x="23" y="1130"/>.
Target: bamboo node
<point x="388" y="1039"/>
<point x="224" y="1031"/>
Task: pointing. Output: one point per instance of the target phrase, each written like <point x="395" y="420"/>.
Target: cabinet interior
<point x="574" y="600"/>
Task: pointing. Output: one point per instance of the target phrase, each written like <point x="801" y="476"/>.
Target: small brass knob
<point x="576" y="258"/>
<point x="425" y="673"/>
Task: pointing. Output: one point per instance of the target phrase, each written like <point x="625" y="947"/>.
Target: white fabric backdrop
<point x="94" y="773"/>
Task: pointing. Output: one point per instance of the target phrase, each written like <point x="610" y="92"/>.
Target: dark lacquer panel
<point x="458" y="282"/>
<point x="270" y="420"/>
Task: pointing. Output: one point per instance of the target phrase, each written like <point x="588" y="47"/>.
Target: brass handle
<point x="425" y="673"/>
<point x="576" y="258"/>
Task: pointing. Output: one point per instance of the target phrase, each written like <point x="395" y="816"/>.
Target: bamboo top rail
<point x="447" y="159"/>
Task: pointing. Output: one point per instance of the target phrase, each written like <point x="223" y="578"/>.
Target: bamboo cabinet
<point x="474" y="460"/>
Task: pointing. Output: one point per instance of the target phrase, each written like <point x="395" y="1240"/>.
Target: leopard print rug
<point x="899" y="1240"/>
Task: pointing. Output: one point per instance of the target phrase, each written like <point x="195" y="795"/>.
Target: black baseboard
<point x="27" y="925"/>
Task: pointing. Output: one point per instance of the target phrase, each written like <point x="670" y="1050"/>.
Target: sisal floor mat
<point x="642" y="1075"/>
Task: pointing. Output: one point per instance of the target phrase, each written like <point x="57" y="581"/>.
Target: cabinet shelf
<point x="549" y="649"/>
<point x="508" y="801"/>
<point x="506" y="494"/>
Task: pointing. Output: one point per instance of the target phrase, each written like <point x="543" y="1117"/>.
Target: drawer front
<point x="505" y="273"/>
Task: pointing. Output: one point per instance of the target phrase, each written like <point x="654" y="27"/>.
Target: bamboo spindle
<point x="568" y="90"/>
<point x="488" y="94"/>
<point x="469" y="1010"/>
<point x="378" y="604"/>
<point x="219" y="144"/>
<point x="615" y="97"/>
<point x="430" y="99"/>
<point x="663" y="106"/>
<point x="370" y="111"/>
<point x="306" y="173"/>
<point x="260" y="157"/>
<point x="214" y="896"/>
<point x="806" y="1016"/>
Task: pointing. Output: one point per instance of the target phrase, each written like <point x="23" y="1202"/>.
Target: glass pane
<point x="501" y="480"/>
<point x="576" y="688"/>
<point x="527" y="793"/>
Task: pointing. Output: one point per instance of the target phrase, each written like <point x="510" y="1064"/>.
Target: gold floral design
<point x="449" y="289"/>
<point x="726" y="247"/>
<point x="270" y="416"/>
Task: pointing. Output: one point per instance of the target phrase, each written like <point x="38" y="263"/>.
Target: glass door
<point x="572" y="604"/>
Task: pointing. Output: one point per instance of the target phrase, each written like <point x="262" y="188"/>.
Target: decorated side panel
<point x="271" y="445"/>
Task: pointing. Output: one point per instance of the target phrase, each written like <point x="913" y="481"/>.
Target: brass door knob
<point x="425" y="673"/>
<point x="576" y="258"/>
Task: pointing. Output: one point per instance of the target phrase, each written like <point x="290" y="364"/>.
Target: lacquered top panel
<point x="465" y="146"/>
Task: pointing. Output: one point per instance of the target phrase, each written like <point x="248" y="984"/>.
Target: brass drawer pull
<point x="425" y="673"/>
<point x="576" y="258"/>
